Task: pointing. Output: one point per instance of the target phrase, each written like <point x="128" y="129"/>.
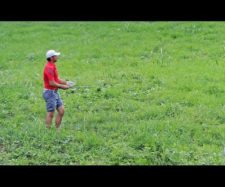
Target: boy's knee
<point x="61" y="112"/>
<point x="51" y="114"/>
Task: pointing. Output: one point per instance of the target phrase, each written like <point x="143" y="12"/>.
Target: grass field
<point x="155" y="93"/>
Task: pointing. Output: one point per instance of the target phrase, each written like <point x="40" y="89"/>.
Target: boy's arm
<point x="62" y="86"/>
<point x="62" y="82"/>
<point x="50" y="74"/>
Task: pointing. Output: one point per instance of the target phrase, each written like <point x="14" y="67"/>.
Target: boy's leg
<point x="50" y="106"/>
<point x="59" y="116"/>
<point x="60" y="109"/>
<point x="49" y="119"/>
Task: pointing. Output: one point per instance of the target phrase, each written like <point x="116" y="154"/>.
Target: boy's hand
<point x="65" y="87"/>
<point x="70" y="83"/>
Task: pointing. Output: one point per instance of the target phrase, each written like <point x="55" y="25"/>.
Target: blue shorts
<point x="52" y="99"/>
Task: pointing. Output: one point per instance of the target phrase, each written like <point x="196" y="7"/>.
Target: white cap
<point x="51" y="53"/>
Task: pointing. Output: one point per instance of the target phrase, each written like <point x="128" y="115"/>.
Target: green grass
<point x="156" y="95"/>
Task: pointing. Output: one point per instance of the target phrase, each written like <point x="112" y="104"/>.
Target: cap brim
<point x="57" y="54"/>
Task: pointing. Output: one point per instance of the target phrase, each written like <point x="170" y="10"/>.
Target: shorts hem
<point x="50" y="110"/>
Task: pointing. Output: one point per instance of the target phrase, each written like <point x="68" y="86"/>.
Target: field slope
<point x="148" y="93"/>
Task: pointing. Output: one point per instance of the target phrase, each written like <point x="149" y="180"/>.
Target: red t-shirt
<point x="50" y="73"/>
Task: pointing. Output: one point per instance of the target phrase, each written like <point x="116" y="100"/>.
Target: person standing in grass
<point x="52" y="83"/>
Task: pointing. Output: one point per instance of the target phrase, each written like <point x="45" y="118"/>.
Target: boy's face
<point x="54" y="58"/>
